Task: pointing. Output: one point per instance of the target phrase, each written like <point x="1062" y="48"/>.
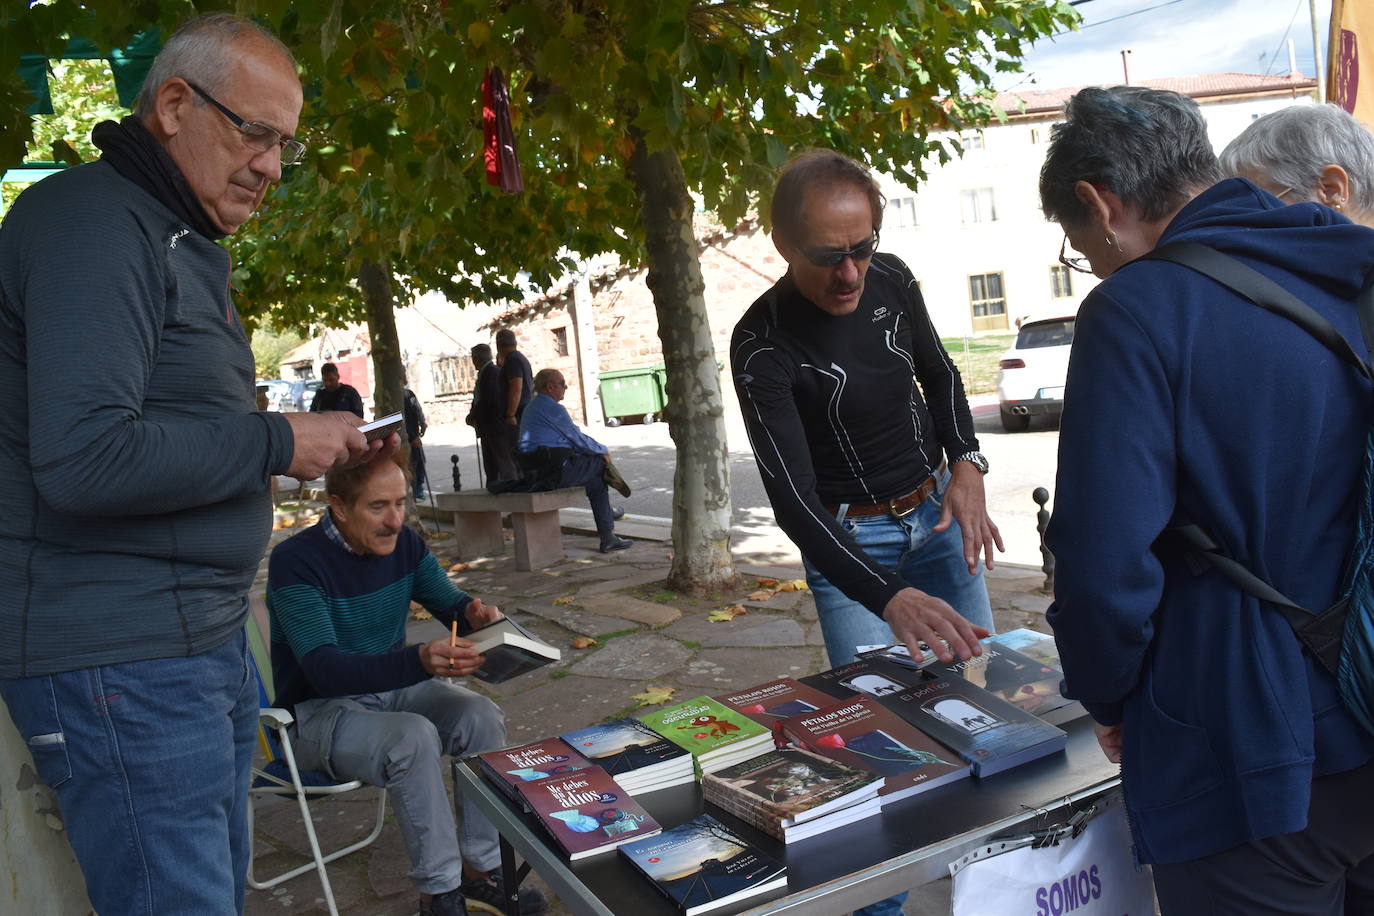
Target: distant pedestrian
<point x="517" y="384"/>
<point x="487" y="416"/>
<point x="335" y="395"/>
<point x="416" y="427"/>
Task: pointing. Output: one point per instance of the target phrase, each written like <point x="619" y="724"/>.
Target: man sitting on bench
<point x="547" y="434"/>
<point x="370" y="707"/>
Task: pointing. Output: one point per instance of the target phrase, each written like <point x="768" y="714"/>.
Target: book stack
<point x="637" y="757"/>
<point x="586" y="812"/>
<point x="861" y="733"/>
<point x="702" y="866"/>
<point x="792" y="794"/>
<point x="715" y="735"/>
<point x="527" y="763"/>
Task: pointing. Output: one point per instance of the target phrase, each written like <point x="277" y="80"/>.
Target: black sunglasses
<point x="834" y="257"/>
<point x="257" y="136"/>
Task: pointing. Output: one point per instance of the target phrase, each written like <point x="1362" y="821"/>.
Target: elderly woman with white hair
<point x="1249" y="785"/>
<point x="1309" y="153"/>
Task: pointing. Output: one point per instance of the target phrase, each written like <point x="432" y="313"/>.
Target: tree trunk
<point x="374" y="279"/>
<point x="696" y="410"/>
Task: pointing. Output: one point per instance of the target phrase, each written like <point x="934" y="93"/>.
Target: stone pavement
<point x="645" y="636"/>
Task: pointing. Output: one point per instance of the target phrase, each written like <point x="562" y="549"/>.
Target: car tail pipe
<point x="1020" y="410"/>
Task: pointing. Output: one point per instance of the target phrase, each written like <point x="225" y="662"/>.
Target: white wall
<point x="943" y="251"/>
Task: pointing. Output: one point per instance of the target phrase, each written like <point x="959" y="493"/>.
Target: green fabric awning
<point x="130" y="65"/>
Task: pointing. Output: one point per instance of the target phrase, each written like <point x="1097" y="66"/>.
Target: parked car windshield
<point x="1045" y="334"/>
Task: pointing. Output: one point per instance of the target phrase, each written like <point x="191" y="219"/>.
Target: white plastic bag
<point x="1093" y="874"/>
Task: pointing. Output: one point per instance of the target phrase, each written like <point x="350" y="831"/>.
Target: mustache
<point x="386" y="532"/>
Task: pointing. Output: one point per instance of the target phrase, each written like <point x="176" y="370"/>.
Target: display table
<point x="910" y="843"/>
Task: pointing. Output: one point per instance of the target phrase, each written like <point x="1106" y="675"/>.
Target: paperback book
<point x="792" y="793"/>
<point x="862" y="733"/>
<point x="715" y="735"/>
<point x="702" y="866"/>
<point x="586" y="812"/>
<point x="1027" y="682"/>
<point x="528" y="763"/>
<point x="774" y="701"/>
<point x="509" y="650"/>
<point x="873" y="676"/>
<point x="987" y="731"/>
<point x="636" y="756"/>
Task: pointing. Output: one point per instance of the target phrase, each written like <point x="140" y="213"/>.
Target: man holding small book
<point x="367" y="705"/>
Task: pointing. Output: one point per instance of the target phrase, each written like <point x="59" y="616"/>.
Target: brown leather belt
<point x="897" y="507"/>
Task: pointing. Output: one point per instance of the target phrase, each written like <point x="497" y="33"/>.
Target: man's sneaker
<point x="614" y="542"/>
<point x="491" y="892"/>
<point x="449" y="904"/>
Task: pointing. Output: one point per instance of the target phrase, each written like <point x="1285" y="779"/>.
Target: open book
<point x="382" y="427"/>
<point x="510" y="650"/>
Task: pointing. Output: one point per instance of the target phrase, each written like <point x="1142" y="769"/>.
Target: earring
<point x="1337" y="205"/>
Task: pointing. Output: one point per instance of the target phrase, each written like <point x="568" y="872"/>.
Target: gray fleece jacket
<point x="134" y="505"/>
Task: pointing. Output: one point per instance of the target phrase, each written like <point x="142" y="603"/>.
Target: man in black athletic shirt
<point x="879" y="482"/>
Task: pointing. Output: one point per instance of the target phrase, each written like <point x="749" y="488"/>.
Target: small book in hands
<point x="509" y="650"/>
<point x="381" y="427"/>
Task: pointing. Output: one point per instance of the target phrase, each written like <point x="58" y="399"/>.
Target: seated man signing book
<point x="367" y="705"/>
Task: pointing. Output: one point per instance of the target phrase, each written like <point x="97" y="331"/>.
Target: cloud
<point x="1184" y="38"/>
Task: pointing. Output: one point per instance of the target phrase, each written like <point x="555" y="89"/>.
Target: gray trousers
<point x="397" y="739"/>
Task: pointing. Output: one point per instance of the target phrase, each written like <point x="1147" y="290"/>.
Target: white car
<point x="1030" y="380"/>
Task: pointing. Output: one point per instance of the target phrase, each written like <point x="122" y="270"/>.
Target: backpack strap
<point x="1249" y="283"/>
<point x="1321" y="631"/>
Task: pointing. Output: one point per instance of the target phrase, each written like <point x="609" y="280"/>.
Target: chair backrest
<point x="260" y="654"/>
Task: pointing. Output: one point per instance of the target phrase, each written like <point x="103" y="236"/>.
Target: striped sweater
<point x="339" y="618"/>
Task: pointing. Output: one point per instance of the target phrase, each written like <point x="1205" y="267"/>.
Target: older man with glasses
<point x="138" y="516"/>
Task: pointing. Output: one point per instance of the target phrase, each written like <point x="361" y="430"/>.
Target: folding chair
<point x="282" y="777"/>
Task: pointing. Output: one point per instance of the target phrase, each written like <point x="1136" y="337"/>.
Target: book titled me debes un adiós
<point x="587" y="812"/>
<point x="529" y="762"/>
<point x="509" y="650"/>
<point x="703" y="866"/>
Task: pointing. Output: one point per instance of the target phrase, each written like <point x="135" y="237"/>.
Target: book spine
<point x="750" y="815"/>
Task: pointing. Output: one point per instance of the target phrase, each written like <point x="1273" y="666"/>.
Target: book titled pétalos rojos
<point x="587" y="812"/>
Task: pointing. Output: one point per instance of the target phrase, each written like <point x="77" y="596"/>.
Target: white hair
<point x="1291" y="146"/>
<point x="199" y="52"/>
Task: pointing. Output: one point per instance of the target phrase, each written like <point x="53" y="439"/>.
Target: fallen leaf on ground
<point x="566" y="599"/>
<point x="652" y="696"/>
<point x="725" y="614"/>
<point x="441" y="535"/>
<point x="584" y="642"/>
<point x="794" y="585"/>
<point x="762" y="594"/>
<point x="460" y="567"/>
<point x="765" y="582"/>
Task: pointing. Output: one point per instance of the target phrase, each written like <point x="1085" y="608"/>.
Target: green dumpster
<point x="634" y="392"/>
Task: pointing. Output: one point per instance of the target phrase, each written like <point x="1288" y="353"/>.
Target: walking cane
<point x="481" y="477"/>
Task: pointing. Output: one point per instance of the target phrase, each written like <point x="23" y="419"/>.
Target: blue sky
<point x="1174" y="38"/>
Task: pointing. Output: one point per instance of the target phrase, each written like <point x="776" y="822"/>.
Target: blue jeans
<point x="932" y="562"/>
<point x="150" y="762"/>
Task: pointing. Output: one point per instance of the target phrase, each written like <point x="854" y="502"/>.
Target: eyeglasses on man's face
<point x="834" y="257"/>
<point x="257" y="136"/>
<point x="1082" y="265"/>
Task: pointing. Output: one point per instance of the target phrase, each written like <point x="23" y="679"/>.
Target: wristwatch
<point x="977" y="459"/>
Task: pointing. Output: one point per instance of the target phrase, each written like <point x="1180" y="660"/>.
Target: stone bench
<point x="534" y="518"/>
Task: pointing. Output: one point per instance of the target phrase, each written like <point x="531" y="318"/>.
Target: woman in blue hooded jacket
<point x="1248" y="785"/>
